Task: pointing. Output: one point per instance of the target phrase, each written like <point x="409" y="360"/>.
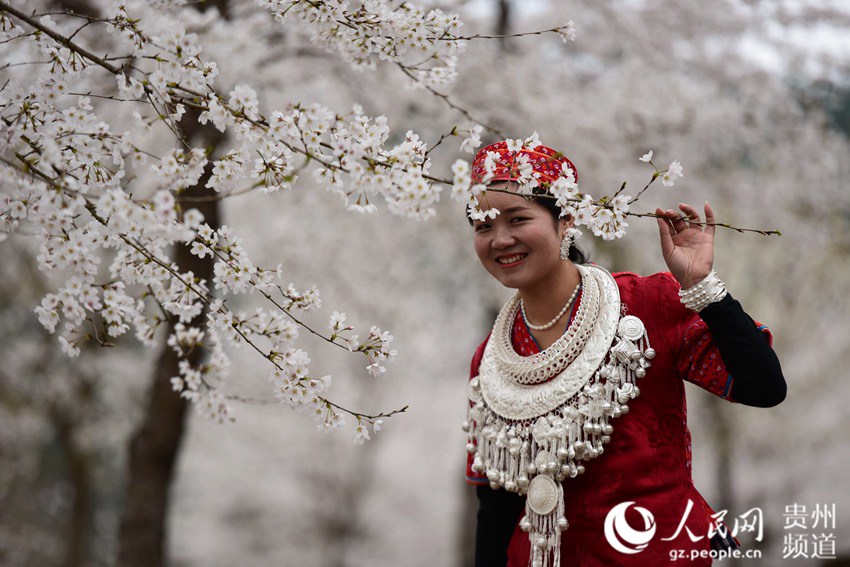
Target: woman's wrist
<point x="710" y="289"/>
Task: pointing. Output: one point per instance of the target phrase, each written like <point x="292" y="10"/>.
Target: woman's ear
<point x="564" y="224"/>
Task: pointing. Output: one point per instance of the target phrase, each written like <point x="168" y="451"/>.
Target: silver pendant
<point x="542" y="495"/>
<point x="631" y="328"/>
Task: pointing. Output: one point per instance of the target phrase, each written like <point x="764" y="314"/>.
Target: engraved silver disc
<point x="630" y="328"/>
<point x="542" y="494"/>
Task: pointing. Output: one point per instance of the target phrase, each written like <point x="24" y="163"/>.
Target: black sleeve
<point x="498" y="514"/>
<point x="757" y="376"/>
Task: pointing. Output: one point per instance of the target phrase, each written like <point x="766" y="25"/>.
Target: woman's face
<point x="521" y="246"/>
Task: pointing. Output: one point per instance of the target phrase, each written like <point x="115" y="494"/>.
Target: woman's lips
<point x="509" y="261"/>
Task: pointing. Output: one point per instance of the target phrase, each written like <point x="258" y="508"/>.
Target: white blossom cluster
<point x="605" y="217"/>
<point x="349" y="158"/>
<point x="347" y="154"/>
<point x="425" y="44"/>
<point x="295" y="387"/>
<point x="70" y="180"/>
<point x="103" y="197"/>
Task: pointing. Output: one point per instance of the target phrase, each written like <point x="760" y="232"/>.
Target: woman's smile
<point x="510" y="261"/>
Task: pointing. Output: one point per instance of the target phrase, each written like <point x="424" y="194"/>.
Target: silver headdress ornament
<point x="533" y="420"/>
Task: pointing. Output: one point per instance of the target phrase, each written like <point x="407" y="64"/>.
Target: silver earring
<point x="566" y="243"/>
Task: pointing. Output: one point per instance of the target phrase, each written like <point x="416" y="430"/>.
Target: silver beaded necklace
<point x="557" y="318"/>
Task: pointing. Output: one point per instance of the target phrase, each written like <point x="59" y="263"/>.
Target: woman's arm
<point x="687" y="245"/>
<point x="744" y="348"/>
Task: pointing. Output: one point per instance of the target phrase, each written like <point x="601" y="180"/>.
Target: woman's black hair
<point x="545" y="200"/>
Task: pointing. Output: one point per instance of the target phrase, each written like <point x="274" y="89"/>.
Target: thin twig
<point x="445" y="98"/>
<point x="645" y="187"/>
<point x="440" y="141"/>
<point x="59" y="38"/>
<point x="109" y="97"/>
<point x="535" y="196"/>
<point x="773" y="232"/>
<point x="497" y="36"/>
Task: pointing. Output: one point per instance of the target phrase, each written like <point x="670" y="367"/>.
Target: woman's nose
<point x="503" y="239"/>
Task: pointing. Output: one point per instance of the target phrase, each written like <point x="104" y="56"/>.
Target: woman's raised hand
<point x="688" y="248"/>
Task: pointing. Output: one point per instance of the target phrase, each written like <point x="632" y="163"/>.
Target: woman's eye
<point x="481" y="227"/>
<point x="518" y="219"/>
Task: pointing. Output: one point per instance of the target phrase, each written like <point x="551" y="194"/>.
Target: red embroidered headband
<point x="546" y="163"/>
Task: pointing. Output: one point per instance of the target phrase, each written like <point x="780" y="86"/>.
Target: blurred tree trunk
<point x="80" y="533"/>
<point x="503" y="24"/>
<point x="339" y="521"/>
<point x="469" y="521"/>
<point x="81" y="7"/>
<point x="723" y="448"/>
<point x="152" y="455"/>
<point x="156" y="444"/>
<point x="469" y="506"/>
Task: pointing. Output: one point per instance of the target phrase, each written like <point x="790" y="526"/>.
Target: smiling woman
<point x="567" y="356"/>
<point x="520" y="248"/>
<point x="520" y="243"/>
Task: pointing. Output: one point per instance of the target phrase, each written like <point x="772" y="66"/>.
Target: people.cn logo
<point x="623" y="537"/>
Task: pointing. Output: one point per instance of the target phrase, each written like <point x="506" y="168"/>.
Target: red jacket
<point x="648" y="460"/>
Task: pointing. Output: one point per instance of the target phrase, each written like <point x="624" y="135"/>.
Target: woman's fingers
<point x="689" y="217"/>
<point x="709" y="219"/>
<point x="665" y="229"/>
<point x="677" y="221"/>
<point x="691" y="213"/>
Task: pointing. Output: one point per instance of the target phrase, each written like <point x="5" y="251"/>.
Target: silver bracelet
<point x="710" y="290"/>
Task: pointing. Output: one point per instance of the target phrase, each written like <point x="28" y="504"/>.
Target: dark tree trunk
<point x="156" y="444"/>
<point x="503" y="24"/>
<point x="152" y="455"/>
<point x="79" y="535"/>
<point x="468" y="524"/>
<point x="469" y="507"/>
<point x="81" y="7"/>
<point x="724" y="449"/>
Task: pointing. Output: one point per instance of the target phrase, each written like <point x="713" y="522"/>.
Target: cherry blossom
<point x="674" y="171"/>
<point x="102" y="196"/>
<point x="567" y="31"/>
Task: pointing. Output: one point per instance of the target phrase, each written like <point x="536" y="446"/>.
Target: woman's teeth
<point x="511" y="259"/>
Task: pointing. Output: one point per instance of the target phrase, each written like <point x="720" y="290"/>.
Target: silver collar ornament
<point x="533" y="420"/>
